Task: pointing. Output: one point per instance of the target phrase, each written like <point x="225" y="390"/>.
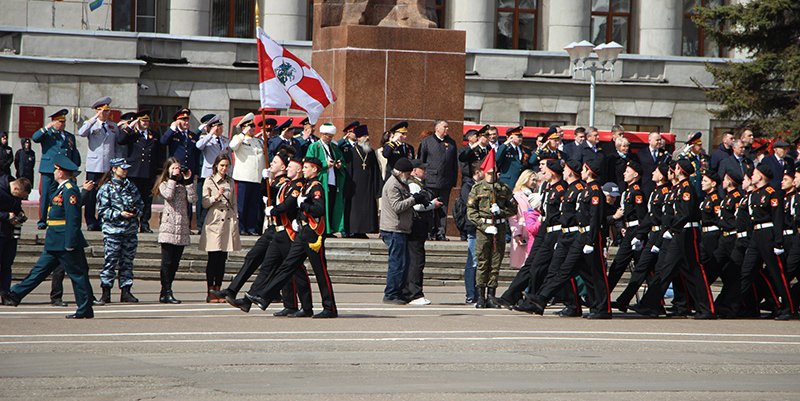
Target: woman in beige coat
<point x="221" y="227"/>
<point x="177" y="189"/>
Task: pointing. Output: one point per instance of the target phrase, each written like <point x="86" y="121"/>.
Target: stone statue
<point x="398" y="13"/>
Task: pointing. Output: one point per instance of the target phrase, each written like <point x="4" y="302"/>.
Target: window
<point x="440" y="11"/>
<point x="233" y="18"/>
<point x="516" y="24"/>
<point x="693" y="41"/>
<point x="472" y="116"/>
<point x="547" y="119"/>
<point x="611" y="21"/>
<point x="644" y="124"/>
<point x="161" y="114"/>
<point x="137" y="15"/>
<point x="310" y="20"/>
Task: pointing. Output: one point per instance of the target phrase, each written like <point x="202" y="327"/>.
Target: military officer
<point x="489" y="205"/>
<point x="552" y="142"/>
<point x="397" y="147"/>
<point x="475" y="152"/>
<point x="633" y="213"/>
<point x="102" y="135"/>
<point x="285" y="137"/>
<point x="308" y="136"/>
<point x="511" y="157"/>
<point x="55" y="141"/>
<point x="144" y="154"/>
<point x="180" y="141"/>
<point x="694" y="153"/>
<point x="64" y="243"/>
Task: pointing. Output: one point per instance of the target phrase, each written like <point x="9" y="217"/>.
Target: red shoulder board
<point x="664" y="190"/>
<point x="317" y="194"/>
<point x="713" y="197"/>
<point x="685" y="184"/>
<point x="639" y="199"/>
<point x="770" y="190"/>
<point x="773" y="202"/>
<point x="559" y="188"/>
<point x="595" y="187"/>
<point x="716" y="209"/>
<point x="282" y="179"/>
<point x="595" y="200"/>
<point x="579" y="186"/>
<point x="736" y="194"/>
<point x="687" y="196"/>
<point x="635" y="187"/>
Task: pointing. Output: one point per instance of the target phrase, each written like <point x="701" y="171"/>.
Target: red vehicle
<point x="257" y="119"/>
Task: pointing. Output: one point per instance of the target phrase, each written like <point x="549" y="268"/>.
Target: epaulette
<point x="713" y="197"/>
<point x="68" y="186"/>
<point x="391" y="145"/>
<point x="664" y="190"/>
<point x="595" y="187"/>
<point x="559" y="188"/>
<point x="579" y="186"/>
<point x="636" y="187"/>
<point x="770" y="189"/>
<point x="685" y="184"/>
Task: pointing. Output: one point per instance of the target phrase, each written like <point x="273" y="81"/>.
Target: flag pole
<point x="265" y="147"/>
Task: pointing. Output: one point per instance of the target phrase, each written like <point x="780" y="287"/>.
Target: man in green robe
<point x="332" y="177"/>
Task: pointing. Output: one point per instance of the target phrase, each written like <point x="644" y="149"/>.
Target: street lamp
<point x="579" y="54"/>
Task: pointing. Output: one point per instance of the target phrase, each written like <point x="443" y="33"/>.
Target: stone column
<point x="568" y="21"/>
<point x="190" y="17"/>
<point x="477" y="18"/>
<point x="284" y="20"/>
<point x="660" y="27"/>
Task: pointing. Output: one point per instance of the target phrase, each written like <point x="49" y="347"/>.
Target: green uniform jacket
<point x="64" y="219"/>
<point x="334" y="223"/>
<point x="479" y="204"/>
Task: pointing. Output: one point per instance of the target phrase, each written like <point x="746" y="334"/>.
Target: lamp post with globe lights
<point x="579" y="54"/>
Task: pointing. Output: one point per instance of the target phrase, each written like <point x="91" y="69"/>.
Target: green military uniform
<point x="490" y="248"/>
<point x="64" y="245"/>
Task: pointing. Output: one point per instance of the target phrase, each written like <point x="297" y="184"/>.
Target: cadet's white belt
<point x="741" y="235"/>
<point x="495" y="221"/>
<point x="584" y="229"/>
<point x="692" y="225"/>
<point x="556" y="227"/>
<point x="633" y="223"/>
<point x="728" y="233"/>
<point x="655" y="228"/>
<point x="570" y="230"/>
<point x="710" y="229"/>
<point x="763" y="225"/>
<point x="279" y="228"/>
<point x="788" y="232"/>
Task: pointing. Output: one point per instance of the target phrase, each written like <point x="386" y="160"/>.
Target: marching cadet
<point x="119" y="206"/>
<point x="766" y="245"/>
<point x="55" y="141"/>
<point x="633" y="213"/>
<point x="511" y="157"/>
<point x="728" y="270"/>
<point x="585" y="256"/>
<point x="102" y="134"/>
<point x="651" y="228"/>
<point x="309" y="243"/>
<point x="397" y="147"/>
<point x="793" y="255"/>
<point x="709" y="221"/>
<point x="64" y="243"/>
<point x="144" y="154"/>
<point x="489" y="205"/>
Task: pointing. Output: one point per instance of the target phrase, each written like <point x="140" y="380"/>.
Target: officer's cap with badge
<point x="555" y="166"/>
<point x="121" y="163"/>
<point x="144" y="115"/>
<point x="514" y="130"/>
<point x="102" y="103"/>
<point x="635" y="166"/>
<point x="686" y="166"/>
<point x="351" y="127"/>
<point x="361" y="131"/>
<point x="695" y="138"/>
<point x="269" y="123"/>
<point x="60" y="115"/>
<point x="182" y="114"/>
<point x="305" y="122"/>
<point x="552" y="133"/>
<point x="128" y="117"/>
<point x="286" y="124"/>
<point x="246" y="121"/>
<point x="483" y="131"/>
<point x="62" y="162"/>
<point x="205" y="121"/>
<point x="401" y="127"/>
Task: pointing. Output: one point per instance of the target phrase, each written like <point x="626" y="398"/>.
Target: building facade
<point x="166" y="54"/>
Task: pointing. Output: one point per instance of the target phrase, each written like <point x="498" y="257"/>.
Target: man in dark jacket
<point x="439" y="152"/>
<point x="649" y="158"/>
<point x="25" y="160"/>
<point x="11" y="218"/>
<point x="724" y="151"/>
<point x="6" y="154"/>
<point x="145" y="154"/>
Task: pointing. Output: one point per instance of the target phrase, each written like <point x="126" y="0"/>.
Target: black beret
<point x="788" y="169"/>
<point x="351" y="126"/>
<point x="286" y="153"/>
<point x="575" y="166"/>
<point x="402" y="126"/>
<point x="547" y="155"/>
<point x="403" y="165"/>
<point x="765" y="170"/>
<point x="663" y="168"/>
<point x="672" y="164"/>
<point x="635" y="166"/>
<point x="797" y="166"/>
<point x="471" y="133"/>
<point x="595" y="165"/>
<point x="555" y="166"/>
<point x="711" y="174"/>
<point x="686" y="166"/>
<point x="514" y="130"/>
<point x="314" y="161"/>
<point x="735" y="176"/>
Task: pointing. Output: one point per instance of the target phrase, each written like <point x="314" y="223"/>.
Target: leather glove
<point x="655" y="249"/>
<point x="495" y="209"/>
<point x="419" y="198"/>
<point x="587" y="249"/>
<point x="268" y="210"/>
<point x="300" y="200"/>
<point x="667" y="235"/>
<point x="491" y="230"/>
<point x="295" y="226"/>
<point x="636" y="244"/>
<point x="265" y="174"/>
<point x="778" y="251"/>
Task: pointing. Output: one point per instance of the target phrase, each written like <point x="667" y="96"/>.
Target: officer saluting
<point x="397" y="147"/>
<point x="180" y="141"/>
<point x="63" y="245"/>
<point x="55" y="141"/>
<point x="144" y="154"/>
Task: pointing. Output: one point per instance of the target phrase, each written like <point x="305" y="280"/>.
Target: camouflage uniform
<point x="490" y="248"/>
<point x="120" y="234"/>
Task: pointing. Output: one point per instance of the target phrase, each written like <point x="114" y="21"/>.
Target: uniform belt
<point x="584" y="229"/>
<point x="710" y="229"/>
<point x="570" y="229"/>
<point x="495" y="221"/>
<point x="692" y="225"/>
<point x="788" y="232"/>
<point x="763" y="225"/>
<point x="279" y="228"/>
<point x="655" y="228"/>
<point x="632" y="223"/>
<point x="554" y="228"/>
<point x="741" y="235"/>
<point x="56" y="222"/>
<point x="728" y="233"/>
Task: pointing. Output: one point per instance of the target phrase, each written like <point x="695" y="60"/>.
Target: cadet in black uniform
<point x="793" y="258"/>
<point x="634" y="212"/>
<point x="729" y="272"/>
<point x="709" y="220"/>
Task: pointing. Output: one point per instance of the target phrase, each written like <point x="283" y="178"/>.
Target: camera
<point x="184" y="169"/>
<point x="19" y="219"/>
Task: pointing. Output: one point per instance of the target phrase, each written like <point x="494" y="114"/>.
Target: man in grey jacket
<point x="397" y="204"/>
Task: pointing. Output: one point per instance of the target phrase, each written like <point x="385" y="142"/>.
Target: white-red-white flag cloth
<point x="288" y="82"/>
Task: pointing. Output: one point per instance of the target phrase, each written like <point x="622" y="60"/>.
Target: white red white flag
<point x="288" y="82"/>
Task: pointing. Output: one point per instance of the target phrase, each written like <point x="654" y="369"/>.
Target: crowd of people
<point x="680" y="221"/>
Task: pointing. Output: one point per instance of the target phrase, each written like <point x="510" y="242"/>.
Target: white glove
<point x="491" y="230"/>
<point x="655" y="249"/>
<point x="778" y="251"/>
<point x="265" y="199"/>
<point x="69" y="249"/>
<point x="535" y="200"/>
<point x="268" y="210"/>
<point x="265" y="174"/>
<point x="300" y="200"/>
<point x="495" y="209"/>
<point x="295" y="226"/>
<point x="636" y="244"/>
<point x="587" y="249"/>
<point x="667" y="235"/>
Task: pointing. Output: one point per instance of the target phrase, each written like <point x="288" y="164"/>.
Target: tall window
<point x="694" y="41"/>
<point x="611" y="20"/>
<point x="233" y="18"/>
<point x="135" y="15"/>
<point x="516" y="24"/>
<point x="440" y="9"/>
<point x="310" y="20"/>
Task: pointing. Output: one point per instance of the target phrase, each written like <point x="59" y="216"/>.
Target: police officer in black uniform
<point x="144" y="154"/>
<point x="634" y="212"/>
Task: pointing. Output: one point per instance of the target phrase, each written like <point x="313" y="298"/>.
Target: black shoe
<point x="643" y="311"/>
<point x="260" y="302"/>
<point x="569" y="312"/>
<point x="532" y="305"/>
<point x="105" y="298"/>
<point x="285" y="312"/>
<point x="394" y="301"/>
<point x="599" y="316"/>
<point x="785" y="316"/>
<point x="222" y="293"/>
<point x="242" y="303"/>
<point x="504" y="303"/>
<point x="325" y="314"/>
<point x="57" y="302"/>
<point x="127" y="297"/>
<point x="10" y="299"/>
<point x="167" y="298"/>
<point x="230" y="298"/>
<point x="303" y="313"/>
<point x="480" y="302"/>
<point x="146" y="229"/>
<point x="705" y="316"/>
<point x="77" y="316"/>
<point x="619" y="306"/>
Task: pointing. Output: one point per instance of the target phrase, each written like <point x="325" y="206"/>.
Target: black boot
<point x="491" y="300"/>
<point x="126" y="295"/>
<point x="167" y="297"/>
<point x="481" y="301"/>
<point x="105" y="298"/>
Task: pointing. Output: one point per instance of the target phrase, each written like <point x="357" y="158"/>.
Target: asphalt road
<point x="444" y="351"/>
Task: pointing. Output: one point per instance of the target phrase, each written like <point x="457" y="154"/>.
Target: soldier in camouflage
<point x="119" y="206"/>
<point x="489" y="205"/>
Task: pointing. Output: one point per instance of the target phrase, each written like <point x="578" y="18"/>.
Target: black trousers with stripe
<point x="297" y="286"/>
<point x="761" y="250"/>
<point x="513" y="294"/>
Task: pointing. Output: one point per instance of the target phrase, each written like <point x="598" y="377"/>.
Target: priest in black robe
<point x="363" y="185"/>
